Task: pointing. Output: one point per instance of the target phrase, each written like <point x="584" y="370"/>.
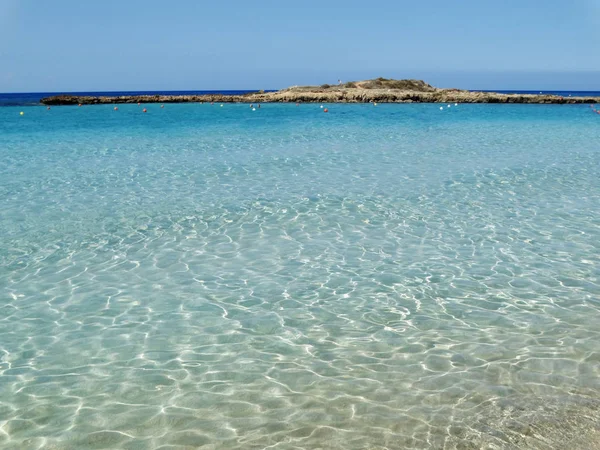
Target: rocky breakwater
<point x="379" y="90"/>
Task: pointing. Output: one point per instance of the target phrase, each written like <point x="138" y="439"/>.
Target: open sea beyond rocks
<point x="377" y="277"/>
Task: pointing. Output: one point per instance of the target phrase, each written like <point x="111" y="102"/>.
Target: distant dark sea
<point x="33" y="98"/>
<point x="560" y="93"/>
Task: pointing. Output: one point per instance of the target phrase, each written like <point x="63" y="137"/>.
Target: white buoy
<point x="253" y="109"/>
<point x="441" y="108"/>
<point x="321" y="106"/>
<point x="448" y="106"/>
<point x="456" y="104"/>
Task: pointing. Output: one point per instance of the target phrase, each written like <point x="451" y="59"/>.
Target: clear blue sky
<point x="75" y="45"/>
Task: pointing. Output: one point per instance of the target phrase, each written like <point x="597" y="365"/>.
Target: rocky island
<point x="380" y="90"/>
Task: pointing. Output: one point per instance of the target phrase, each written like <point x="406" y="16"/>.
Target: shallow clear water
<point x="375" y="277"/>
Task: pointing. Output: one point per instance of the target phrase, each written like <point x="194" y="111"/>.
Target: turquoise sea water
<point x="375" y="277"/>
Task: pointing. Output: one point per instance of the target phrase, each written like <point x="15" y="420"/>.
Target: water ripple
<point x="388" y="279"/>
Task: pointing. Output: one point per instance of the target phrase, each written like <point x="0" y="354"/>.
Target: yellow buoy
<point x="21" y="113"/>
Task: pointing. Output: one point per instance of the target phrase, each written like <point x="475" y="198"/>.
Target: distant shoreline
<point x="379" y="90"/>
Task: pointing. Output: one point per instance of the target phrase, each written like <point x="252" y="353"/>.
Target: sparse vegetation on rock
<point x="382" y="90"/>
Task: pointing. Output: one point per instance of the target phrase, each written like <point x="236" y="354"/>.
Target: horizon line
<point x="116" y="91"/>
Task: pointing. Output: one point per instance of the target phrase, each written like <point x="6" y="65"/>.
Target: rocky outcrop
<point x="380" y="90"/>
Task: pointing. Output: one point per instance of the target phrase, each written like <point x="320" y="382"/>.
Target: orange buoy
<point x="115" y="108"/>
<point x="144" y="110"/>
<point x="325" y="110"/>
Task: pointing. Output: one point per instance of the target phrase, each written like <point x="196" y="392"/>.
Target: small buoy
<point x="321" y="106"/>
<point x="115" y="108"/>
<point x="21" y="113"/>
<point x="441" y="108"/>
<point x="297" y="104"/>
<point x="144" y="110"/>
<point x="139" y="103"/>
<point x="212" y="103"/>
<point x="253" y="109"/>
<point x="325" y="110"/>
<point x="221" y="105"/>
<point x="456" y="104"/>
<point x="449" y="106"/>
<point x="79" y="105"/>
<point x="162" y="106"/>
<point x="375" y="104"/>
